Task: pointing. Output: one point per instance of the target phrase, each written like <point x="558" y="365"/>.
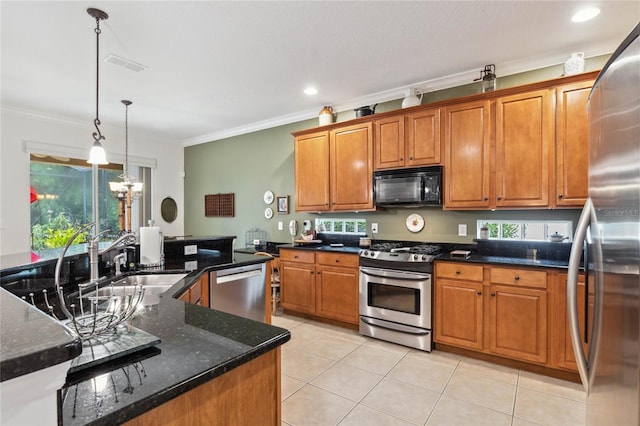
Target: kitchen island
<point x="209" y="367"/>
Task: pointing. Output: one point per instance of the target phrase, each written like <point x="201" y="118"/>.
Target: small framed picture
<point x="283" y="204"/>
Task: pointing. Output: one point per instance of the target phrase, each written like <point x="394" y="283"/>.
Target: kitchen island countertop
<point x="197" y="345"/>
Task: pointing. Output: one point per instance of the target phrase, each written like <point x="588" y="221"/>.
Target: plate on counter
<point x="415" y="222"/>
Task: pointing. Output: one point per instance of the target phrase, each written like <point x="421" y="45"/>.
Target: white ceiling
<point x="219" y="68"/>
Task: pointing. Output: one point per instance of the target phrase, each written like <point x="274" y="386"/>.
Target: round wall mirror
<point x="169" y="209"/>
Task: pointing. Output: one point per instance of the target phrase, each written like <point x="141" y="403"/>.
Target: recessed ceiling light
<point x="310" y="91"/>
<point x="585" y="14"/>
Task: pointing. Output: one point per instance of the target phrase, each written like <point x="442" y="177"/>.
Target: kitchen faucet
<point x="94" y="253"/>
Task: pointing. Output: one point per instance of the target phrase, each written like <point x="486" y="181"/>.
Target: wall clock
<point x="268" y="213"/>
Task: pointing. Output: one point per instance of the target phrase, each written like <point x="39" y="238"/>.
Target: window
<point x="341" y="226"/>
<point x="525" y="230"/>
<point x="61" y="199"/>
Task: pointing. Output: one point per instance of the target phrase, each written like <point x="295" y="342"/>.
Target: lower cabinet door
<point x="297" y="287"/>
<point x="518" y="322"/>
<point x="459" y="313"/>
<point x="337" y="293"/>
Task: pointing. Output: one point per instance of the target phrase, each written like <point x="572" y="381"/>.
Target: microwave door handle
<point x="423" y="188"/>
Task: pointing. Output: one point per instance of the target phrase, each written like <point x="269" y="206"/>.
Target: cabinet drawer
<point x="304" y="256"/>
<point x="459" y="271"/>
<point x="521" y="277"/>
<point x="337" y="259"/>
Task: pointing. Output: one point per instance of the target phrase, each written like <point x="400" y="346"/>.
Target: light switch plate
<point x="462" y="230"/>
<point x="280" y="225"/>
<point x="192" y="249"/>
<point x="374" y="228"/>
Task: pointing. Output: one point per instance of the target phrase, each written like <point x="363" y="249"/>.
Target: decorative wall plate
<point x="268" y="213"/>
<point x="268" y="197"/>
<point x="415" y="222"/>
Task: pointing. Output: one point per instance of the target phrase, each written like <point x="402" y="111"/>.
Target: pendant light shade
<point x="97" y="154"/>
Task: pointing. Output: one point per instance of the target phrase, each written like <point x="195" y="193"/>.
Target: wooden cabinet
<point x="518" y="313"/>
<point x="198" y="292"/>
<point x="320" y="283"/>
<point x="333" y="169"/>
<point x="524" y="142"/>
<point x="337" y="286"/>
<point x="298" y="280"/>
<point x="467" y="147"/>
<point x="407" y="140"/>
<point x="565" y="356"/>
<point x="312" y="171"/>
<point x="572" y="142"/>
<point x="517" y="171"/>
<point x="496" y="310"/>
<point x="458" y="309"/>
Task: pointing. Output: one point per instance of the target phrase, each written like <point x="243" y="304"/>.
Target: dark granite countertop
<point x="197" y="345"/>
<point x="327" y="247"/>
<point x="31" y="340"/>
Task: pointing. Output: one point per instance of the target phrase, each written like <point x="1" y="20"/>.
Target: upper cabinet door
<point x="352" y="167"/>
<point x="423" y="138"/>
<point x="572" y="144"/>
<point x="467" y="155"/>
<point x="524" y="154"/>
<point x="389" y="143"/>
<point x="312" y="172"/>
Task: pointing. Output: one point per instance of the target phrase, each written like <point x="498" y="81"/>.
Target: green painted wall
<point x="248" y="165"/>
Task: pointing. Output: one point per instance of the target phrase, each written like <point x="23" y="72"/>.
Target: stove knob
<point x="424" y="257"/>
<point x="415" y="257"/>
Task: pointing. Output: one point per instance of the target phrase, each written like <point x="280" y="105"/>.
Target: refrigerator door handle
<point x="572" y="291"/>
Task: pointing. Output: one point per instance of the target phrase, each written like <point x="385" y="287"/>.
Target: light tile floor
<point x="334" y="376"/>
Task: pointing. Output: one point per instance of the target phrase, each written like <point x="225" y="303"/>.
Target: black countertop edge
<point x="503" y="260"/>
<point x="325" y="247"/>
<point x="40" y="343"/>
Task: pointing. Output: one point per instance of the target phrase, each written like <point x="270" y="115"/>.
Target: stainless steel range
<point x="396" y="292"/>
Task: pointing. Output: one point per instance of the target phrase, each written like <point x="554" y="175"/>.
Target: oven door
<point x="396" y="296"/>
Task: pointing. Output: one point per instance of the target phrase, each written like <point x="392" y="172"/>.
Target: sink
<point x="154" y="285"/>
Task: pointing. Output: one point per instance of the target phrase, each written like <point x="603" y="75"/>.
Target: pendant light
<point x="127" y="190"/>
<point x="97" y="154"/>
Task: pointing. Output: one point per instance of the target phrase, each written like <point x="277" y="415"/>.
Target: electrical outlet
<point x="462" y="230"/>
<point x="256" y="242"/>
<point x="279" y="225"/>
<point x="374" y="228"/>
<point x="192" y="249"/>
<point x="191" y="265"/>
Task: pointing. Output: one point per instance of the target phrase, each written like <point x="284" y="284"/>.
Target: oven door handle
<point x="386" y="273"/>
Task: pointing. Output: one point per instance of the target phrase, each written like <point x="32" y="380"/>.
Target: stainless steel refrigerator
<point x="607" y="242"/>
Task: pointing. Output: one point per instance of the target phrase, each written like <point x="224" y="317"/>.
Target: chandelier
<point x="126" y="190"/>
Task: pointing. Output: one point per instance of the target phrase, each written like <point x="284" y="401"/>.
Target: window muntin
<point x="341" y="226"/>
<point x="525" y="230"/>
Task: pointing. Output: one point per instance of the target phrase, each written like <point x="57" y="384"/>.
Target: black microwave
<point x="408" y="187"/>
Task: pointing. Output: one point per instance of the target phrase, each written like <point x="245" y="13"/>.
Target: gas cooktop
<point x="401" y="251"/>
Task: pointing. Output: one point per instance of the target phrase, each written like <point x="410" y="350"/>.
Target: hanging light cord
<point x="126" y="139"/>
<point x="97" y="135"/>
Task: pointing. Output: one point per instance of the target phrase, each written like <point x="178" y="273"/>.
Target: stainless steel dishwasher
<point x="239" y="291"/>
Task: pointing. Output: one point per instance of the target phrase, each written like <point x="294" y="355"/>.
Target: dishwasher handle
<point x="238" y="276"/>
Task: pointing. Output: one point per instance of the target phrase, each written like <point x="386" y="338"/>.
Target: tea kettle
<point x="365" y="110"/>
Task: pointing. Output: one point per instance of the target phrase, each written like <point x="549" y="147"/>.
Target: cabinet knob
<point x="485" y="199"/>
<point x="318" y="273"/>
<point x="499" y="198"/>
<point x="560" y="196"/>
<point x="516" y="278"/>
<point x="410" y="158"/>
<point x="479" y="293"/>
<point x="457" y="272"/>
<point x="493" y="295"/>
<point x="401" y="158"/>
<point x="337" y="260"/>
<point x="311" y="272"/>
